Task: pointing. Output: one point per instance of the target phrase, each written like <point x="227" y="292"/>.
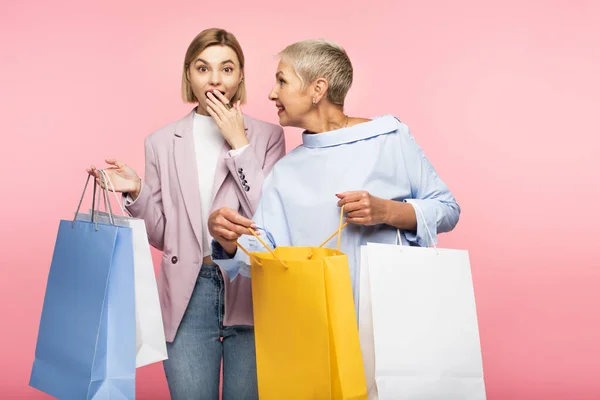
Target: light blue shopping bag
<point x="86" y="345"/>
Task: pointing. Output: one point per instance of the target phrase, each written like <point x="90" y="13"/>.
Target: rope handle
<point x="264" y="244"/>
<point x="338" y="232"/>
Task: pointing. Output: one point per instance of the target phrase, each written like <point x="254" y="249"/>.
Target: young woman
<point x="212" y="158"/>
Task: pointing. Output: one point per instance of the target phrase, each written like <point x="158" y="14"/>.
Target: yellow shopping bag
<point x="307" y="343"/>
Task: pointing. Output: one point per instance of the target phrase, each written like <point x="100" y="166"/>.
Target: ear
<point x="319" y="90"/>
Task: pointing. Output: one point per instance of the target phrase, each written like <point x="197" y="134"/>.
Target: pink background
<point x="502" y="97"/>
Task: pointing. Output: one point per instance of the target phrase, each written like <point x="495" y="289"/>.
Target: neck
<point x="200" y="110"/>
<point x="325" y="119"/>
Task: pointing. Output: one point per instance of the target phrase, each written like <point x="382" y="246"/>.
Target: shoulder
<point x="262" y="127"/>
<point x="399" y="131"/>
<point x="287" y="165"/>
<point x="391" y="123"/>
<point x="166" y="132"/>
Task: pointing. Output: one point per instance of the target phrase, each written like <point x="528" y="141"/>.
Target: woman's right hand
<point x="123" y="178"/>
<point x="226" y="226"/>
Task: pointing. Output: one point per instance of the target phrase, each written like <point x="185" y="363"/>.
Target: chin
<point x="284" y="120"/>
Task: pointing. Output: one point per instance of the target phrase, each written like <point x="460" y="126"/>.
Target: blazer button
<point x="242" y="177"/>
<point x="246" y="188"/>
<point x="240" y="170"/>
<point x="174" y="260"/>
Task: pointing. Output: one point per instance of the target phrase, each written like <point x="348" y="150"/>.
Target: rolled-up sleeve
<point x="435" y="206"/>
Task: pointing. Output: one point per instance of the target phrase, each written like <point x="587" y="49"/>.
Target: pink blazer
<point x="169" y="203"/>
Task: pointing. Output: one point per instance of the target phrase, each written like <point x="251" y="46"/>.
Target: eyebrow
<point x="223" y="63"/>
<point x="279" y="73"/>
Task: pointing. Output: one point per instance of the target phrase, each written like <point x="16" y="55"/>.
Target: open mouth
<point x="214" y="90"/>
<point x="280" y="109"/>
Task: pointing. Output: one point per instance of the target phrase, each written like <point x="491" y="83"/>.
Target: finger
<point x="359" y="221"/>
<point x="349" y="199"/>
<point x="220" y="96"/>
<point x="116" y="163"/>
<point x="100" y="183"/>
<point x="213" y="113"/>
<point x="363" y="193"/>
<point x="362" y="213"/>
<point x="342" y="195"/>
<point x="236" y="218"/>
<point x="111" y="173"/>
<point x="238" y="107"/>
<point x="218" y="107"/>
<point x="226" y="234"/>
<point x="96" y="173"/>
<point x="355" y="206"/>
<point x="230" y="227"/>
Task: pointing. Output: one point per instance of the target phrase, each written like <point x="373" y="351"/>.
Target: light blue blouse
<point x="299" y="204"/>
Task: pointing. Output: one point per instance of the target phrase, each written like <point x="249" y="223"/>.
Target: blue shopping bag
<point x="86" y="345"/>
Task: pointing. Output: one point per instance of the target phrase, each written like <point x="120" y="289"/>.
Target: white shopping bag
<point x="418" y="324"/>
<point x="150" y="335"/>
<point x="365" y="325"/>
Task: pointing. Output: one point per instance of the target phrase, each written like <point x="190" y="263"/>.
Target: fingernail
<point x="253" y="226"/>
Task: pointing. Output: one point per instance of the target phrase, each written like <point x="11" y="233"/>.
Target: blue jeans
<point x="194" y="363"/>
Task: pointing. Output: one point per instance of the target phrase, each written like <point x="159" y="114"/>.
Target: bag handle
<point x="111" y="188"/>
<point x="338" y="232"/>
<point x="107" y="205"/>
<point x="87" y="181"/>
<point x="94" y="220"/>
<point x="264" y="244"/>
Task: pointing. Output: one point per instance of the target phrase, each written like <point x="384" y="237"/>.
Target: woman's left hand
<point x="230" y="121"/>
<point x="363" y="209"/>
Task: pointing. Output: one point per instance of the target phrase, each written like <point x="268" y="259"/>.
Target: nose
<point x="273" y="94"/>
<point x="215" y="78"/>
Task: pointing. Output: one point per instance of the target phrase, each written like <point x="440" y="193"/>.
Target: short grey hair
<point x="319" y="58"/>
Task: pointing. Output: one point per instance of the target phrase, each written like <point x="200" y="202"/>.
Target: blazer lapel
<point x="187" y="173"/>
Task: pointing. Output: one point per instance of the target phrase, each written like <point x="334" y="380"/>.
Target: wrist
<point x="395" y="213"/>
<point x="237" y="143"/>
<point x="137" y="189"/>
<point x="230" y="248"/>
<point x="388" y="212"/>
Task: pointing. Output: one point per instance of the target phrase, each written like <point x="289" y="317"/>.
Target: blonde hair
<point x="207" y="38"/>
<point x="319" y="58"/>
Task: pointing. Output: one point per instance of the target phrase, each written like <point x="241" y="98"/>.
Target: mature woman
<point x="214" y="157"/>
<point x="374" y="168"/>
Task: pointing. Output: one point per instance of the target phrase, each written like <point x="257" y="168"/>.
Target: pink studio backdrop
<point x="503" y="98"/>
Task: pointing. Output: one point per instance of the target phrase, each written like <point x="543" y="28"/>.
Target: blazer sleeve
<point x="249" y="173"/>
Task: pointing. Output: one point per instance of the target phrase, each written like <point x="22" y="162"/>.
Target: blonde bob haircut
<point x="207" y="38"/>
<point x="319" y="58"/>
